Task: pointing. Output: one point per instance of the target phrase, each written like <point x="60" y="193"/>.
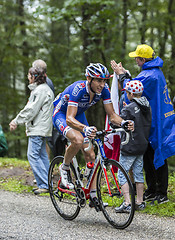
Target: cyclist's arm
<point x="116" y="119"/>
<point x="113" y="117"/>
<point x="90" y="132"/>
<point x="71" y="121"/>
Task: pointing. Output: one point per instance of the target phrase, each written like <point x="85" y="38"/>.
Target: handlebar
<point x="103" y="133"/>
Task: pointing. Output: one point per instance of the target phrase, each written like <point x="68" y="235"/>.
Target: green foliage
<point x="14" y="162"/>
<point x="68" y="35"/>
<point x="166" y="209"/>
<point x="14" y="185"/>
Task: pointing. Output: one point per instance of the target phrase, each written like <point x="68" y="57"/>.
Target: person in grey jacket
<point x="41" y="65"/>
<point x="131" y="156"/>
<point x="37" y="116"/>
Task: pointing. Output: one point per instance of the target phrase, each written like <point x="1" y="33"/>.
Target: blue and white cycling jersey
<point x="77" y="95"/>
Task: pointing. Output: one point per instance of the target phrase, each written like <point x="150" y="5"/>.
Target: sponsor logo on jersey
<point x="92" y="103"/>
<point x="85" y="95"/>
<point x="82" y="105"/>
<point x="78" y="88"/>
<point x="61" y="127"/>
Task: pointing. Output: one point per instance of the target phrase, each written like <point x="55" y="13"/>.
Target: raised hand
<point x="118" y="68"/>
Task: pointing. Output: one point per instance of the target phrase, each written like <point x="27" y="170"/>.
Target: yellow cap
<point x="143" y="51"/>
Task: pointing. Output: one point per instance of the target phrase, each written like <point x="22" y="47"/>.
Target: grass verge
<point x="17" y="184"/>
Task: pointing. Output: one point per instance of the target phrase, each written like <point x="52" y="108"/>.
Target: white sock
<point x="65" y="167"/>
<point x="93" y="193"/>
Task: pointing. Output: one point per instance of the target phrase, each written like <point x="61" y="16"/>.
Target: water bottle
<point x="88" y="169"/>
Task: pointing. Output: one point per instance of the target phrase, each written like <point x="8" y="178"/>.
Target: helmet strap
<point x="91" y="86"/>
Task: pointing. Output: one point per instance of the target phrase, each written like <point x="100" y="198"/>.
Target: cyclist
<point x="69" y="118"/>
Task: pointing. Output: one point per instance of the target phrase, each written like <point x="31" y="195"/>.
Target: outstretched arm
<point x="115" y="118"/>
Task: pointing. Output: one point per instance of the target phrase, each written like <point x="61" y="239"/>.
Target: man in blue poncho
<point x="162" y="133"/>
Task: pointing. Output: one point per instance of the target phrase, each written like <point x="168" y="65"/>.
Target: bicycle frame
<point x="100" y="160"/>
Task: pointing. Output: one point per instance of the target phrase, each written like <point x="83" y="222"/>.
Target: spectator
<point x="162" y="135"/>
<point x="3" y="143"/>
<point x="42" y="66"/>
<point x="131" y="155"/>
<point x="37" y="115"/>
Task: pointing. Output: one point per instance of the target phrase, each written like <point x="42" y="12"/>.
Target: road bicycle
<point x="69" y="202"/>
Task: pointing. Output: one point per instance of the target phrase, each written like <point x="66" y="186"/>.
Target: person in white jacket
<point x="37" y="116"/>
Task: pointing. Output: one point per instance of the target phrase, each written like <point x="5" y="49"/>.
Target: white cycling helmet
<point x="97" y="70"/>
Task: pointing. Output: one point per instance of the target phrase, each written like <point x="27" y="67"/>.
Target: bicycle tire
<point x="117" y="220"/>
<point x="65" y="204"/>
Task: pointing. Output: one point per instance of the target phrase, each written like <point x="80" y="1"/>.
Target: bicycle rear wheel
<point x="64" y="200"/>
<point x="115" y="197"/>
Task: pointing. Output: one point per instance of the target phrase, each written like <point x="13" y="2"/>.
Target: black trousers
<point x="156" y="180"/>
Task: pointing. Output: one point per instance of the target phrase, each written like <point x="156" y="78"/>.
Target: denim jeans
<point x="38" y="159"/>
<point x="131" y="162"/>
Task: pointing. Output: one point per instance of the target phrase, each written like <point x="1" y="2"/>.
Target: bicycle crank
<point x="81" y="199"/>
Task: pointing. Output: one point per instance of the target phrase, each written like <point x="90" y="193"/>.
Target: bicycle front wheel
<point x="64" y="200"/>
<point x="110" y="194"/>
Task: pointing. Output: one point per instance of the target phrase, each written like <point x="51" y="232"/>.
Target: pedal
<point x="94" y="203"/>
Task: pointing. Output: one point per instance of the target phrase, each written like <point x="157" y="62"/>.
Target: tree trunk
<point x="124" y="31"/>
<point x="95" y="115"/>
<point x="144" y="19"/>
<point x="171" y="11"/>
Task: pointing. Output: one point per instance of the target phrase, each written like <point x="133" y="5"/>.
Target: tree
<point x="69" y="35"/>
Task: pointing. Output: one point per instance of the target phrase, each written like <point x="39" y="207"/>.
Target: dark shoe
<point x="93" y="202"/>
<point x="162" y="199"/>
<point x="123" y="208"/>
<point x="140" y="206"/>
<point x="41" y="190"/>
<point x="34" y="189"/>
<point x="149" y="197"/>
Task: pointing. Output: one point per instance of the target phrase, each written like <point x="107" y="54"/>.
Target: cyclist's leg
<point x="76" y="139"/>
<point x="74" y="136"/>
<point x="90" y="157"/>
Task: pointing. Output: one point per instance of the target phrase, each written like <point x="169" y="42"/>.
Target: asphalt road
<point x="30" y="217"/>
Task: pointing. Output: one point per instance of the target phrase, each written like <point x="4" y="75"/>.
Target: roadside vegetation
<point x="16" y="182"/>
